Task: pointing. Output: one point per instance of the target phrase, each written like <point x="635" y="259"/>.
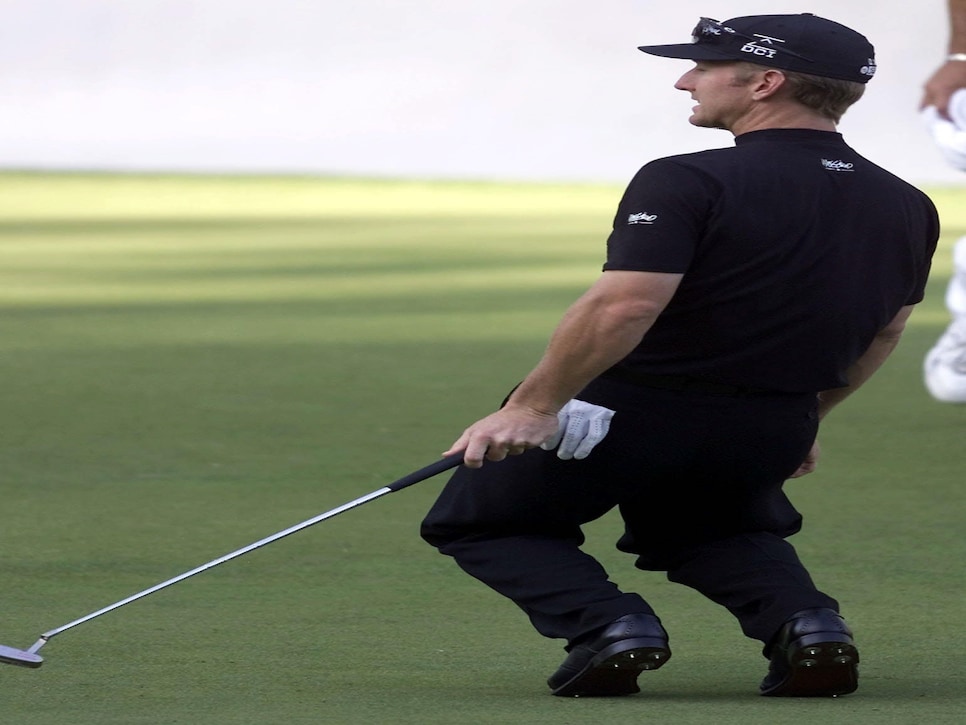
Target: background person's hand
<point x="949" y="134"/>
<point x="950" y="77"/>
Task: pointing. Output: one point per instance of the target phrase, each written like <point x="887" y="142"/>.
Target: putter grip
<point x="437" y="467"/>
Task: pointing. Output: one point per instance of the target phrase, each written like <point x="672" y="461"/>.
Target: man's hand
<point x="582" y="426"/>
<point x="509" y="431"/>
<point x="598" y="330"/>
<point x="810" y="462"/>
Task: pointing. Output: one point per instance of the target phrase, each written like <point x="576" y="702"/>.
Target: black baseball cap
<point x="804" y="43"/>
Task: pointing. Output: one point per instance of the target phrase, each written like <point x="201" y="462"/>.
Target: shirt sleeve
<point x="661" y="219"/>
<point x="932" y="241"/>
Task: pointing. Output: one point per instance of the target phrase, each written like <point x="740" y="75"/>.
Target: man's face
<point x="722" y="90"/>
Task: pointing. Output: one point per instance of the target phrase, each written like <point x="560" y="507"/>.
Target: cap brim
<point x="685" y="51"/>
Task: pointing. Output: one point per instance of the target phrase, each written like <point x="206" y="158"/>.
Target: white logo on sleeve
<point x="641" y="217"/>
<point x="837" y="165"/>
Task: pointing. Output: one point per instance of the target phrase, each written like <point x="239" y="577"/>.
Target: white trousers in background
<point x="945" y="364"/>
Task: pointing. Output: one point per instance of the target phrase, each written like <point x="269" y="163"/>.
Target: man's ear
<point x="769" y="83"/>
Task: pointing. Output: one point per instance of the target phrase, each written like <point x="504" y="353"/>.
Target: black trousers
<point x="698" y="481"/>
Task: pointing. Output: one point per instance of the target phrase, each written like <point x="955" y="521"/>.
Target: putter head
<point x="19" y="657"/>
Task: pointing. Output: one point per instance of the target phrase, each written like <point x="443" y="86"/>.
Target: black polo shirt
<point x="795" y="252"/>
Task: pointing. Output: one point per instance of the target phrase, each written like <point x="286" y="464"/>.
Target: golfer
<point x="746" y="291"/>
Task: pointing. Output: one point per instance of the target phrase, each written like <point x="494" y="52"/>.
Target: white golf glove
<point x="581" y="426"/>
<point x="950" y="136"/>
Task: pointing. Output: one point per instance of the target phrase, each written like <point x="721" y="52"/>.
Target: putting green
<point x="190" y="364"/>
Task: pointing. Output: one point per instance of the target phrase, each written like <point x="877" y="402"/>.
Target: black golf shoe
<point x="812" y="655"/>
<point x="609" y="663"/>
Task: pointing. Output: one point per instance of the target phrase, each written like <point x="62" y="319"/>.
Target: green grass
<point x="192" y="363"/>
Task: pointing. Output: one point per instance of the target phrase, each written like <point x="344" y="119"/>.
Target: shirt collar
<point x="788" y="134"/>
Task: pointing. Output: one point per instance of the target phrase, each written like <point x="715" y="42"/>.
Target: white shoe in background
<point x="945" y="365"/>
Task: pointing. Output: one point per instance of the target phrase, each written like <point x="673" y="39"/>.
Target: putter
<point x="30" y="658"/>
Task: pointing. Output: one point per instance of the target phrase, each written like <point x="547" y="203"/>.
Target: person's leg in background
<point x="945" y="365"/>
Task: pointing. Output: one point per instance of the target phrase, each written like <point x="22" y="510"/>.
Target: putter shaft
<point x="422" y="474"/>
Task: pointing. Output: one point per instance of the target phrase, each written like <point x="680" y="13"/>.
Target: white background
<point x="512" y="89"/>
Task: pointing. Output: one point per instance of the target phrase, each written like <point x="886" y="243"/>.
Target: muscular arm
<point x="860" y="371"/>
<point x="952" y="74"/>
<point x="598" y="330"/>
